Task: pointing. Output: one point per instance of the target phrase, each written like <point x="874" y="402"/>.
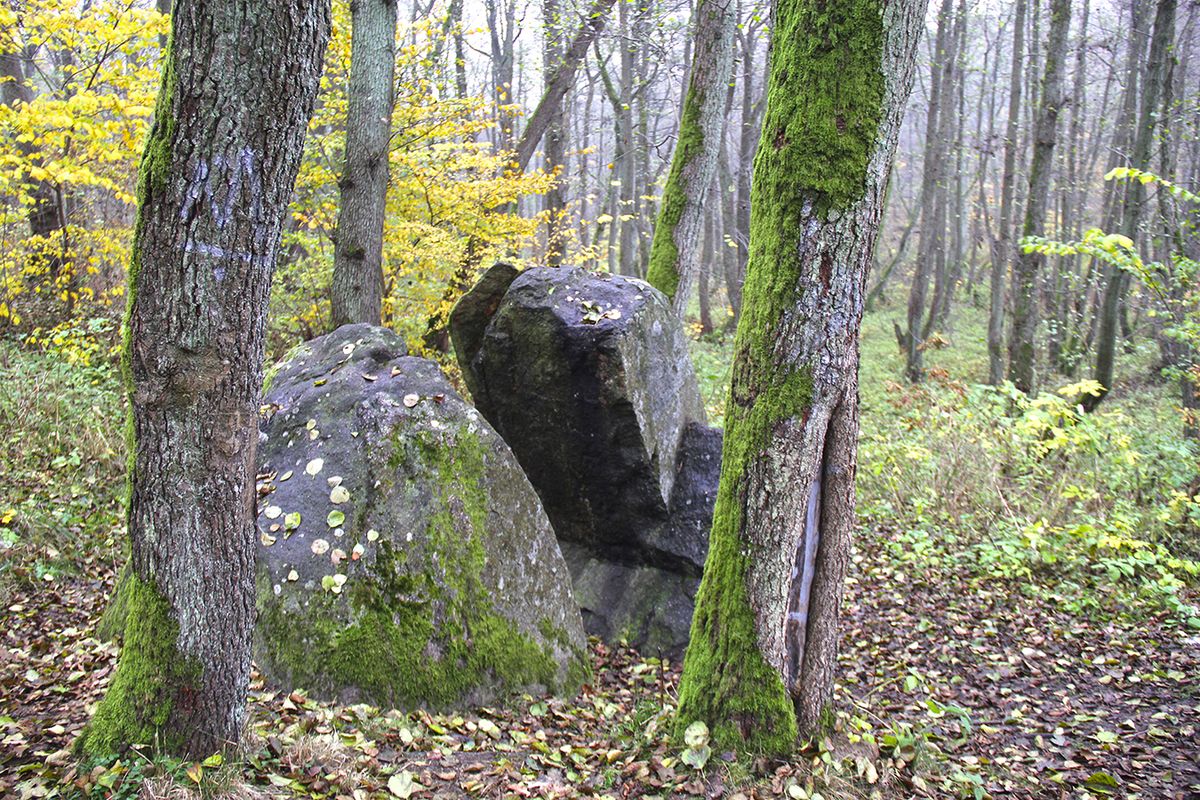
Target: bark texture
<point x="759" y="667"/>
<point x="357" y="292"/>
<point x="675" y="250"/>
<point x="238" y="88"/>
<point x="1022" y="353"/>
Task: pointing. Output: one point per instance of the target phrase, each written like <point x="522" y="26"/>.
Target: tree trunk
<point x="675" y="252"/>
<point x="709" y="245"/>
<point x="751" y="123"/>
<point x="1131" y="212"/>
<point x="46" y="214"/>
<point x="1022" y="348"/>
<point x="759" y="667"/>
<point x="501" y="24"/>
<point x="931" y="232"/>
<point x="560" y="82"/>
<point x="1002" y="247"/>
<point x="554" y="146"/>
<point x="357" y="291"/>
<point x="628" y="163"/>
<point x="238" y="90"/>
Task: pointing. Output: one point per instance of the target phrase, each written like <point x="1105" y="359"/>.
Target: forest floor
<point x="961" y="686"/>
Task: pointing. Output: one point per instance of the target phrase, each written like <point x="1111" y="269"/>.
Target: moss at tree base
<point x="111" y="626"/>
<point x="151" y="673"/>
<point x="727" y="684"/>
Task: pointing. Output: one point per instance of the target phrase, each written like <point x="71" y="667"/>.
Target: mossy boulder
<point x="404" y="558"/>
<point x="589" y="378"/>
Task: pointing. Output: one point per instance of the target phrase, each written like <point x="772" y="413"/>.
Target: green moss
<point x="151" y="673"/>
<point x="153" y="172"/>
<point x="823" y="111"/>
<point x="111" y="626"/>
<point x="663" y="272"/>
<point x="423" y="632"/>
<point x="302" y="350"/>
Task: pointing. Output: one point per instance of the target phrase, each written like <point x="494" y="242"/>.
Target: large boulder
<point x="405" y="560"/>
<point x="589" y="379"/>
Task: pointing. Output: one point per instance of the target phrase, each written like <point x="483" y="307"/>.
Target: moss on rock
<point x="439" y="517"/>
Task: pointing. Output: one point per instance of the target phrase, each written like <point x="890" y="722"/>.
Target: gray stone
<point x="589" y="379"/>
<point x="405" y="560"/>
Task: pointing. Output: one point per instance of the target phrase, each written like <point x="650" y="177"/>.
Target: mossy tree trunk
<point x="238" y="88"/>
<point x="357" y="291"/>
<point x="760" y="663"/>
<point x="675" y="251"/>
<point x="1022" y="361"/>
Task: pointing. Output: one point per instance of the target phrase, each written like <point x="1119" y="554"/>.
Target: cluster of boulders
<point x="589" y="380"/>
<point x="418" y="551"/>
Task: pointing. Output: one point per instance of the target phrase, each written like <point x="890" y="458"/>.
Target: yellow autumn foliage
<point x="448" y="187"/>
<point x="92" y="73"/>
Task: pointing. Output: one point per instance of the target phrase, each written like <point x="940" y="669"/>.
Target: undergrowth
<point x="984" y="483"/>
<point x="61" y="465"/>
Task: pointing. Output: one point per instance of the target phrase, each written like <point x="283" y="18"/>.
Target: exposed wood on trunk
<point x="785" y="507"/>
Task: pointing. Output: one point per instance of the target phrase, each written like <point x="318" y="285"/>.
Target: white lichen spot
<point x="278" y="589"/>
